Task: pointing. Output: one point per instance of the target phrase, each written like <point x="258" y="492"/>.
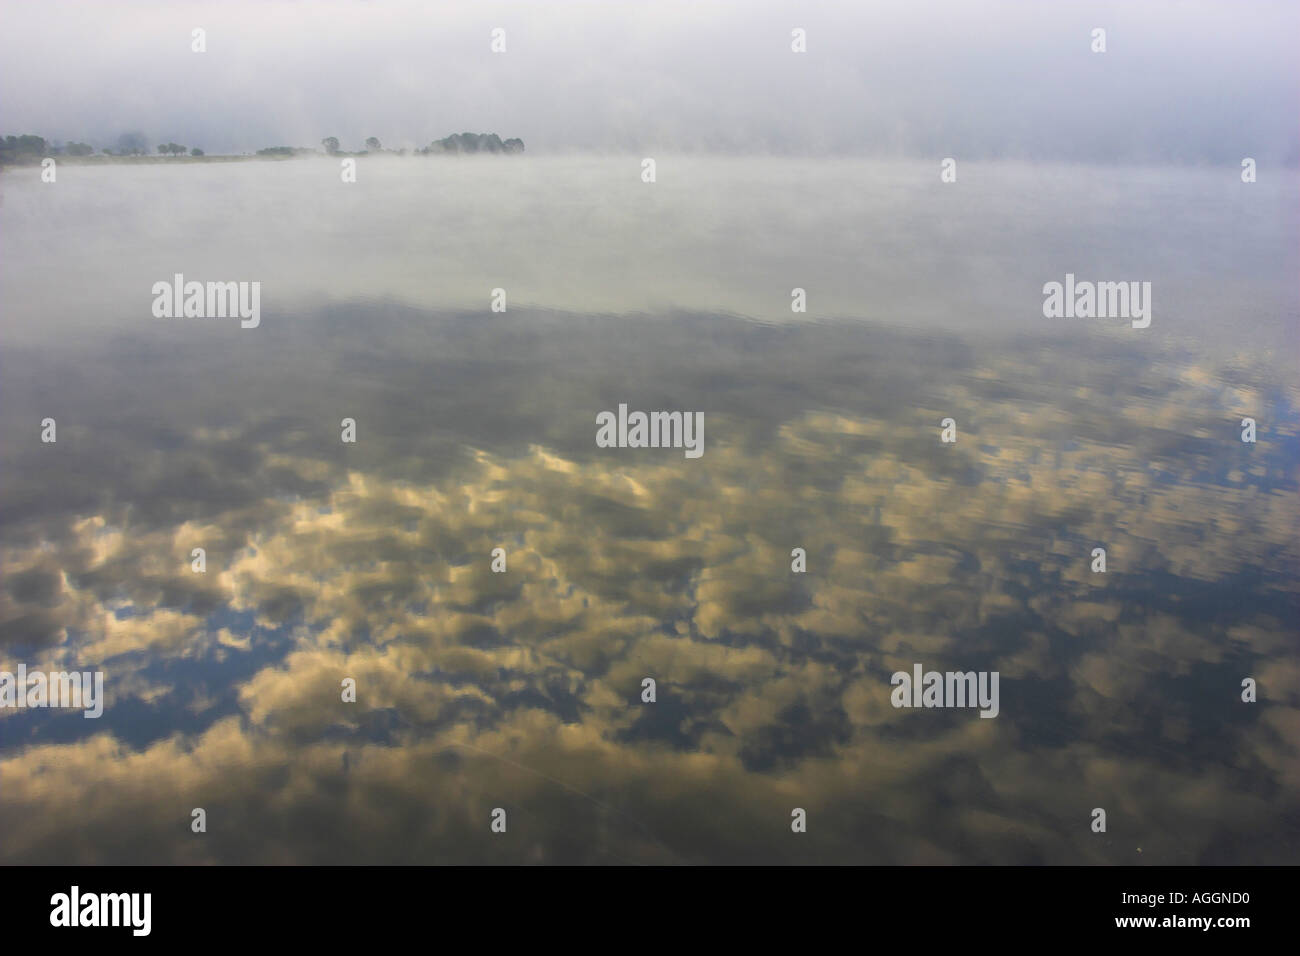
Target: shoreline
<point x="194" y="160"/>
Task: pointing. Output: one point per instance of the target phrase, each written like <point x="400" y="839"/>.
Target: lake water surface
<point x="476" y="430"/>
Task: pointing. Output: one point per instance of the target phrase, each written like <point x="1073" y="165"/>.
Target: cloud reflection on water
<point x="521" y="690"/>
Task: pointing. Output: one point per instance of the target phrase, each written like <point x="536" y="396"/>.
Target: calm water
<point x="476" y="430"/>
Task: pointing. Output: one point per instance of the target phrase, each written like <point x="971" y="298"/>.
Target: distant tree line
<point x="473" y="143"/>
<point x="284" y="151"/>
<point x="19" y="149"/>
<point x="455" y="143"/>
<point x="28" y="148"/>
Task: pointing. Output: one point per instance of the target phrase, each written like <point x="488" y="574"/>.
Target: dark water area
<point x="522" y="689"/>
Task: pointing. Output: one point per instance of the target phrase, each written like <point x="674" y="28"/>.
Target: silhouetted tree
<point x="24" y="148"/>
<point x="132" y="144"/>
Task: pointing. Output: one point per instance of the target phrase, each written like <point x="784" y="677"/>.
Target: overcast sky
<point x="1182" y="80"/>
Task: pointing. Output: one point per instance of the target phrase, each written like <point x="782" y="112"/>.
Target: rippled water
<point x="476" y="430"/>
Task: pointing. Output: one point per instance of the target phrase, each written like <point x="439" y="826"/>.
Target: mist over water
<point x="883" y="242"/>
<point x="476" y="431"/>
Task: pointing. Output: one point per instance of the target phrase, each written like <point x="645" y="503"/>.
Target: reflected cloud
<point x="522" y="689"/>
